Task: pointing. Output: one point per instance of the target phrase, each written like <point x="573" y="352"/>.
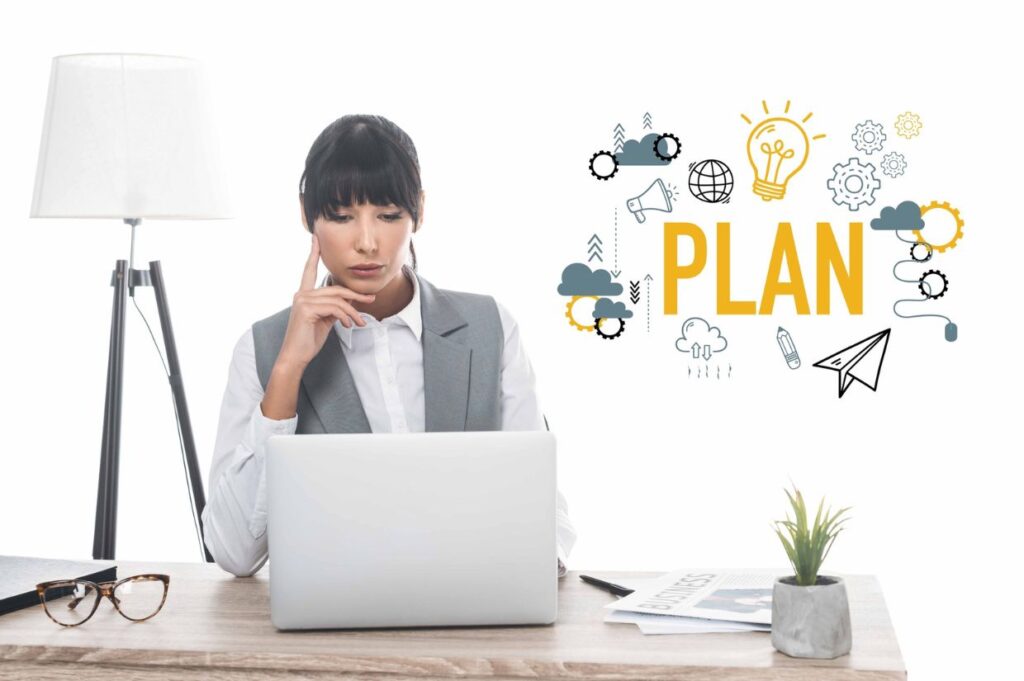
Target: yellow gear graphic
<point x="572" y="320"/>
<point x="959" y="226"/>
<point x="908" y="125"/>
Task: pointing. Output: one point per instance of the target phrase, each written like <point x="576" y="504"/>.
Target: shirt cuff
<point x="262" y="427"/>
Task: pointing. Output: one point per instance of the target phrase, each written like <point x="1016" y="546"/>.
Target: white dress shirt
<point x="386" y="361"/>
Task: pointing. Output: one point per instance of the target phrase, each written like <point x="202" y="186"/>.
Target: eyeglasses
<point x="70" y="602"/>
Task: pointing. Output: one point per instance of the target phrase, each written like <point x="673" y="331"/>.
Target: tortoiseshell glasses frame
<point x="103" y="589"/>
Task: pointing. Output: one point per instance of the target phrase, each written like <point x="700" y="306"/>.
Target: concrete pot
<point x="811" y="621"/>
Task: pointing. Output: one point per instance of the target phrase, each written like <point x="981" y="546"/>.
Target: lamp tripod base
<point x="124" y="280"/>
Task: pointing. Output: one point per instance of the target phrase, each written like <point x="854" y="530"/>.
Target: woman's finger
<point x="309" y="271"/>
<point x="332" y="312"/>
<point x="341" y="311"/>
<point x="340" y="293"/>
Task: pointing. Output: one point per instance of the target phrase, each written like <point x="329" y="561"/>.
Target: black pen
<point x="607" y="586"/>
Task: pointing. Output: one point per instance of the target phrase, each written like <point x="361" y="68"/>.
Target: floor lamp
<point x="130" y="137"/>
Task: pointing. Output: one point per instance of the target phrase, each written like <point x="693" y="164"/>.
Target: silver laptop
<point x="411" y="529"/>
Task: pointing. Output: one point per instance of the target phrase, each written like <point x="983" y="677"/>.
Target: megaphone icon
<point x="655" y="197"/>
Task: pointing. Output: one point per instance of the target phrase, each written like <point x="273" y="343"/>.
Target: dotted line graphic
<point x="616" y="239"/>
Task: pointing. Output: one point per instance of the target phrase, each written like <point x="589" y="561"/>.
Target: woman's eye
<point x="389" y="217"/>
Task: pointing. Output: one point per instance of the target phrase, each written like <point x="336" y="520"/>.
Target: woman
<point x="375" y="348"/>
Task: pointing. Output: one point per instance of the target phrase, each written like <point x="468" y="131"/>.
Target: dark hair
<point x="361" y="159"/>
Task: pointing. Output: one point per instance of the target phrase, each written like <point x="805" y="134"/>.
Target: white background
<point x="505" y="106"/>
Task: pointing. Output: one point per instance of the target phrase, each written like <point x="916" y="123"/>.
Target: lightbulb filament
<point x="780" y="149"/>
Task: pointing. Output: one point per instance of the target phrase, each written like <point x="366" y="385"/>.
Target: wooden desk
<point x="215" y="625"/>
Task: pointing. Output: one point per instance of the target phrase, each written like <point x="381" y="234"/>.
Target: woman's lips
<point x="366" y="271"/>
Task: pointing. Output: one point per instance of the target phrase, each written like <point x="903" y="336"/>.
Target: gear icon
<point x="572" y="320"/>
<point x="908" y="125"/>
<point x="609" y="336"/>
<point x="928" y="293"/>
<point x="604" y="175"/>
<point x="868" y="137"/>
<point x="894" y="164"/>
<point x="956" y="216"/>
<point x="657" y="146"/>
<point x="927" y="254"/>
<point x="854" y="184"/>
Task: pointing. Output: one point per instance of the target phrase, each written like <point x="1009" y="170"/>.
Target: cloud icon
<point x="579" y="280"/>
<point x="607" y="308"/>
<point x="707" y="338"/>
<point x="907" y="215"/>
<point x="640" y="153"/>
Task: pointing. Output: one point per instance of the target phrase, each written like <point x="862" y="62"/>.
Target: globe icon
<point x="710" y="181"/>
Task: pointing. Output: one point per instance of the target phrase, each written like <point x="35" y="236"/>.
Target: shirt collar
<point x="410" y="315"/>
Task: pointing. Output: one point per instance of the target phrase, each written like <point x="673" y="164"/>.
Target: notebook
<point x="20" y="574"/>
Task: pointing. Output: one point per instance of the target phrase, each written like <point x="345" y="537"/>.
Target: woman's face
<point x="365" y="247"/>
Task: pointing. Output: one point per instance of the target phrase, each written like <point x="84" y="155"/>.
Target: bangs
<point x="360" y="165"/>
<point x="380" y="185"/>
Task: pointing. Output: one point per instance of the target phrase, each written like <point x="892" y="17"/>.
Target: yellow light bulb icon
<point x="777" y="148"/>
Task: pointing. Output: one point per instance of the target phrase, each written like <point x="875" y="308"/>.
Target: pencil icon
<point x="788" y="349"/>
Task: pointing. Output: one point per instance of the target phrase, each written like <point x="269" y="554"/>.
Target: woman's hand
<point x="313" y="313"/>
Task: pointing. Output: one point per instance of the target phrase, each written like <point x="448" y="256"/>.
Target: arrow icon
<point x="594" y="248"/>
<point x="648" y="279"/>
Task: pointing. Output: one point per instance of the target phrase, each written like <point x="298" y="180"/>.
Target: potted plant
<point x="810" y="612"/>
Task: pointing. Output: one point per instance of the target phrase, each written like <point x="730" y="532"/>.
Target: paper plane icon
<point x="861" y="361"/>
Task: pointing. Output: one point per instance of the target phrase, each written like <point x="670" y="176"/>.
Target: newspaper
<point x="726" y="596"/>
<point x="674" y="624"/>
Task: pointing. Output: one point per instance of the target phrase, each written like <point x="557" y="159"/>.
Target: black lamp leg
<point x="106" y="497"/>
<point x="178" y="390"/>
<point x="105" y="533"/>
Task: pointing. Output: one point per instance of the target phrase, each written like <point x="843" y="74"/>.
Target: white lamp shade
<point x="128" y="136"/>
